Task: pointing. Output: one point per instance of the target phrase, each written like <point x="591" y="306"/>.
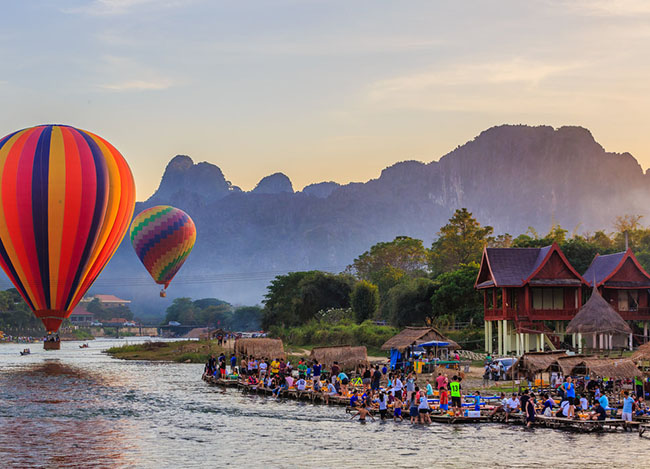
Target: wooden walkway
<point x="560" y="423"/>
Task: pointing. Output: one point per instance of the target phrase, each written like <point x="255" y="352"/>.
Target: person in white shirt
<point x="397" y="387"/>
<point x="511" y="406"/>
<point x="584" y="403"/>
<point x="564" y="408"/>
<point x="301" y="384"/>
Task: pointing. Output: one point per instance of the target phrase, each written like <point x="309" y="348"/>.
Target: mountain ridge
<point x="510" y="176"/>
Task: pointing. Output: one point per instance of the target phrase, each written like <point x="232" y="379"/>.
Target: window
<point x="548" y="298"/>
<point x="628" y="300"/>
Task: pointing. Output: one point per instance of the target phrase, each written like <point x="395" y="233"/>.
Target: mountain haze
<point x="510" y="177"/>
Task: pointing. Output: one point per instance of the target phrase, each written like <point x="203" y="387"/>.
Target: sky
<point x="322" y="90"/>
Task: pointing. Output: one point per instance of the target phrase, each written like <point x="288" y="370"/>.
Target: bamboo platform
<point x="559" y="423"/>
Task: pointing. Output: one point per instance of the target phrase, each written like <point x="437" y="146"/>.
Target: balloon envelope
<point x="66" y="198"/>
<point x="163" y="237"/>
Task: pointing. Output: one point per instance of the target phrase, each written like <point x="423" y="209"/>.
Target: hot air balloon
<point x="66" y="198"/>
<point x="163" y="237"/>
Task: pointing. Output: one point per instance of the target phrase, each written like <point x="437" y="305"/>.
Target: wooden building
<point x="624" y="284"/>
<point x="524" y="290"/>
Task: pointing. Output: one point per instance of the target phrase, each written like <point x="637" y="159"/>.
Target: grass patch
<point x="179" y="351"/>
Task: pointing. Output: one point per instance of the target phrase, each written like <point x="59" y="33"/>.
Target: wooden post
<point x="485" y="334"/>
<point x="645" y="331"/>
<point x="601" y="342"/>
<point x="631" y="343"/>
<point x="499" y="338"/>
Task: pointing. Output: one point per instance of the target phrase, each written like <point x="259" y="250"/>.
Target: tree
<point x="181" y="310"/>
<point x="459" y="242"/>
<point x="403" y="253"/>
<point x="364" y="300"/>
<point x="409" y="303"/>
<point x="102" y="312"/>
<point x="246" y="318"/>
<point x="456" y="299"/>
<point x="295" y="298"/>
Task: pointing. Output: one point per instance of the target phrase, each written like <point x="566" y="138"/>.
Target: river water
<point x="80" y="408"/>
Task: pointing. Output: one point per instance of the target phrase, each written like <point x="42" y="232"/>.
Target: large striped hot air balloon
<point x="162" y="237"/>
<point x="66" y="198"/>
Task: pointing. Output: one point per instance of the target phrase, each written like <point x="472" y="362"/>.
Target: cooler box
<point x="474" y="413"/>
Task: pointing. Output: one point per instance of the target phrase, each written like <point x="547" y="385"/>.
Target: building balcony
<point x="638" y="314"/>
<point x="552" y="314"/>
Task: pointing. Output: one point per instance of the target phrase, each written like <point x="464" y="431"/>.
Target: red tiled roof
<point x="110" y="299"/>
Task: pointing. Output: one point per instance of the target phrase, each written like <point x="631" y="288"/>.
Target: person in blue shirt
<point x="477" y="401"/>
<point x="628" y="408"/>
<point x="604" y="402"/>
<point x="354" y="399"/>
<point x="570" y="392"/>
<point x="233" y="363"/>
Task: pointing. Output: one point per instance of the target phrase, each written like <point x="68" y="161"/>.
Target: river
<point x="79" y="408"/>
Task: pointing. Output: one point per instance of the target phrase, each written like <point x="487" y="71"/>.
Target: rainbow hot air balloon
<point x="66" y="198"/>
<point x="163" y="237"/>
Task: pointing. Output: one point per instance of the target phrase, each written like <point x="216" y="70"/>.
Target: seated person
<point x="301" y="384"/>
<point x="598" y="412"/>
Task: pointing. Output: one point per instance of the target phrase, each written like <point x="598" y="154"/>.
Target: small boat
<point x="83" y="346"/>
<point x="25" y="352"/>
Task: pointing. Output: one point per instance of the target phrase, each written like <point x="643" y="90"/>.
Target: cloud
<point x="138" y="85"/>
<point x="467" y="86"/>
<point x="611" y="8"/>
<point x="121" y="7"/>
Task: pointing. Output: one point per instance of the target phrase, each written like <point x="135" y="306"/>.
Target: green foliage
<point x="409" y="303"/>
<point x="403" y="254"/>
<point x="456" y="299"/>
<point x="364" y="300"/>
<point x="469" y="338"/>
<point x="297" y="297"/>
<point x="15" y="314"/>
<point x="344" y="332"/>
<point x="460" y="241"/>
<point x="213" y="312"/>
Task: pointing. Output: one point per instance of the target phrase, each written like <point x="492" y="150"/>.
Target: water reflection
<point x="81" y="408"/>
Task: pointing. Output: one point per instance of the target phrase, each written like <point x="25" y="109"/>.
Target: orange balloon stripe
<point x="13" y="211"/>
<point x="56" y="209"/>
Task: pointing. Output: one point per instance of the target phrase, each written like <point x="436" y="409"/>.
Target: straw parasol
<point x="597" y="317"/>
<point x="642" y="353"/>
<point x="412" y="335"/>
<point x="535" y="362"/>
<point x="347" y="357"/>
<point x="260" y="347"/>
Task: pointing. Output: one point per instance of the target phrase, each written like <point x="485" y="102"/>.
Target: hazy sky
<point x="321" y="90"/>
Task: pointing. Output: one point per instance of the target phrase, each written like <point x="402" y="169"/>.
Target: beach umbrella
<point x="162" y="237"/>
<point x="66" y="198"/>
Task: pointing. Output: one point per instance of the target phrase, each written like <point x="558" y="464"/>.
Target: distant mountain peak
<point x="274" y="184"/>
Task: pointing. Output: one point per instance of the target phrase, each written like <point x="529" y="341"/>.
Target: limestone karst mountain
<point x="510" y="177"/>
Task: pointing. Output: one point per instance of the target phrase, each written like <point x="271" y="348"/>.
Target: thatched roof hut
<point x="612" y="368"/>
<point x="411" y="336"/>
<point x="642" y="353"/>
<point x="259" y="347"/>
<point x="348" y="358"/>
<point x="596" y="316"/>
<point x="570" y="364"/>
<point x="534" y="362"/>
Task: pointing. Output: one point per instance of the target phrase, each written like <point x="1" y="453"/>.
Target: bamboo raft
<point x="559" y="423"/>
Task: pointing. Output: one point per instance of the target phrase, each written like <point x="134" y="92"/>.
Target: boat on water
<point x="25" y="352"/>
<point x="83" y="346"/>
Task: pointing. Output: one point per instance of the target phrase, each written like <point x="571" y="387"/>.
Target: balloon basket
<point x="163" y="294"/>
<point x="50" y="345"/>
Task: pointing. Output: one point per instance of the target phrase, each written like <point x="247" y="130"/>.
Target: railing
<point x="638" y="314"/>
<point x="496" y="314"/>
<point x="552" y="314"/>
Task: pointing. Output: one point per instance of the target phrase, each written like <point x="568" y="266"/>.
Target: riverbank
<point x="182" y="351"/>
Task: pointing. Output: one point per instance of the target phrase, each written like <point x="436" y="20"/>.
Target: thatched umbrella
<point x="349" y="358"/>
<point x="597" y="317"/>
<point x="411" y="336"/>
<point x="642" y="353"/>
<point x="259" y="347"/>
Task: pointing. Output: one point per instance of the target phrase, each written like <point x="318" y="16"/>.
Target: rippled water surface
<point x="79" y="408"/>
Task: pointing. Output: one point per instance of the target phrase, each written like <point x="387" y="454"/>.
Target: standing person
<point x="477" y="401"/>
<point x="569" y="389"/>
<point x="444" y="400"/>
<point x="456" y="395"/>
<point x="628" y="408"/>
<point x="344" y="383"/>
<point x="530" y="410"/>
<point x="410" y="385"/>
<point x="423" y="409"/>
<point x="264" y="367"/>
<point x="414" y="413"/>
<point x="384" y="370"/>
<point x="638" y="384"/>
<point x="429" y="390"/>
<point x="334" y="371"/>
<point x="397" y="410"/>
<point x="315" y="370"/>
<point x="383" y="405"/>
<point x="366" y="379"/>
<point x="222" y="368"/>
<point x="397" y="387"/>
<point x="233" y="362"/>
<point x="442" y="381"/>
<point x="486" y="376"/>
<point x="376" y="379"/>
